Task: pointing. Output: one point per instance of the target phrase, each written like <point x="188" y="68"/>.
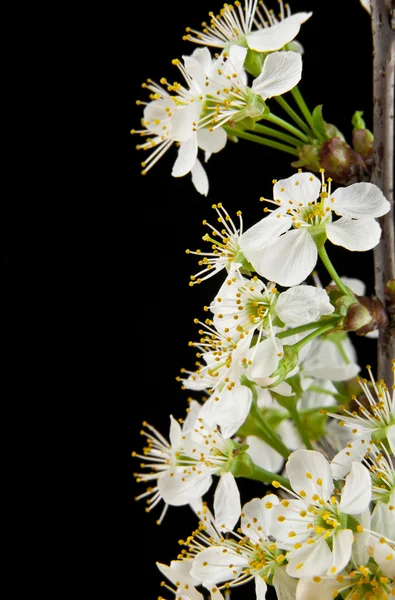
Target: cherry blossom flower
<point x="183" y="467"/>
<point x="303" y="525"/>
<point x="250" y="304"/>
<point x="192" y="116"/>
<point x="282" y="246"/>
<point x="235" y="26"/>
<point x="375" y="419"/>
<point x="238" y="559"/>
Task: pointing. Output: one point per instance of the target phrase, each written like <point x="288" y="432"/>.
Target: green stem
<point x="275" y="440"/>
<point x="299" y="425"/>
<point x="299" y="329"/>
<point x="260" y="140"/>
<point x="299" y="345"/>
<point x="285" y="125"/>
<point x="303" y="106"/>
<point x="332" y="271"/>
<point x="259" y="474"/>
<point x="294" y="115"/>
<point x="277" y="134"/>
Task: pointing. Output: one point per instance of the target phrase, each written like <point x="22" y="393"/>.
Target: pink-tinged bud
<point x="366" y="315"/>
<point x="362" y="138"/>
<point x="362" y="141"/>
<point x="343" y="164"/>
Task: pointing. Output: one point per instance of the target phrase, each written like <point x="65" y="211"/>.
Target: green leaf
<point x="319" y="123"/>
<point x="357" y="121"/>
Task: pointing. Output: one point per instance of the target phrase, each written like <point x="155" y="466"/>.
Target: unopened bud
<point x="362" y="138"/>
<point x="343" y="164"/>
<point x="366" y="315"/>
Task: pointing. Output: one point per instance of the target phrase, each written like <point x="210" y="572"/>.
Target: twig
<point x="383" y="167"/>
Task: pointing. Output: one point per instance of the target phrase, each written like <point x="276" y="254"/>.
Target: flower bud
<point x="362" y="138"/>
<point x="366" y="315"/>
<point x="343" y="164"/>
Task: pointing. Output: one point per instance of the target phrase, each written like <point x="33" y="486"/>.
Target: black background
<point x="97" y="310"/>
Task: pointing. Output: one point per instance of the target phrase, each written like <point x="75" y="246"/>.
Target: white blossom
<point x="253" y="26"/>
<point x="287" y="253"/>
<point x="303" y="525"/>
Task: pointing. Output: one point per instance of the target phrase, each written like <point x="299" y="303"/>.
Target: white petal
<point x="281" y="72"/>
<point x="290" y="259"/>
<point x="203" y="57"/>
<point x="179" y="570"/>
<point x="265" y="360"/>
<point x="197" y="74"/>
<point x="230" y="411"/>
<point x="264" y="455"/>
<point x="289" y="520"/>
<point x="212" y="141"/>
<point x="303" y="304"/>
<point x="300" y="188"/>
<point x="272" y="38"/>
<point x="299" y="17"/>
<point x="383" y="518"/>
<point x="186" y="159"/>
<point x="356" y="285"/>
<point x="357" y="235"/>
<point x="360" y="554"/>
<point x="275" y="37"/>
<point x="284" y="585"/>
<point x="175" y="433"/>
<point x="367" y="6"/>
<point x="227" y="507"/>
<point x="199" y="178"/>
<point x="289" y="433"/>
<point x="181" y="489"/>
<point x="324" y="361"/>
<point x="263" y="233"/>
<point x="341" y="551"/>
<point x="342" y="462"/>
<point x="309" y="589"/>
<point x="257" y="517"/>
<point x="391" y="437"/>
<point x="217" y="569"/>
<point x="309" y="470"/>
<point x="237" y="55"/>
<point x="312" y="559"/>
<point x="384" y="555"/>
<point x="194" y="409"/>
<point x="260" y="588"/>
<point x="183" y="121"/>
<point x="360" y="200"/>
<point x="283" y="388"/>
<point x="357" y="490"/>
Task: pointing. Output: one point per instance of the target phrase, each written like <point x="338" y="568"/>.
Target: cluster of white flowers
<point x="216" y="90"/>
<point x="279" y="399"/>
<point x="278" y="374"/>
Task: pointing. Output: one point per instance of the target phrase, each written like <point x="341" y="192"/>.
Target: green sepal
<point x="318" y="233"/>
<point x="319" y="123"/>
<point x="242" y="465"/>
<point x="253" y="62"/>
<point x="287" y="363"/>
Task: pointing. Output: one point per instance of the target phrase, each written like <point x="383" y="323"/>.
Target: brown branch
<point x="383" y="167"/>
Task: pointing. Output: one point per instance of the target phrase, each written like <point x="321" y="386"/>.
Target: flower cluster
<point x="277" y="392"/>
<point x="277" y="374"/>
